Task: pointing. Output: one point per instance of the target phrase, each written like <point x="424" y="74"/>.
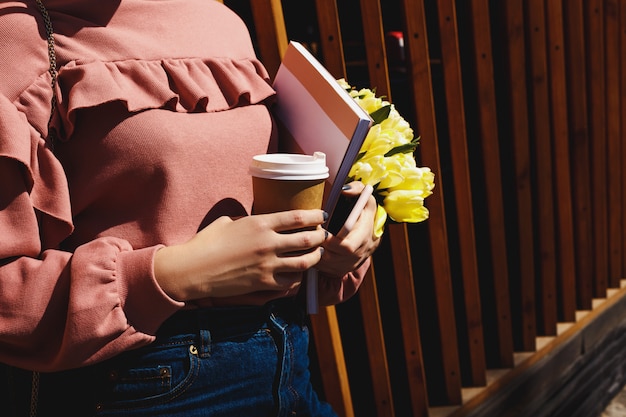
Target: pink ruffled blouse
<point x="161" y="106"/>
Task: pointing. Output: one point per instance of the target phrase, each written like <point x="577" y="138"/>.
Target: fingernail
<point x="325" y="216"/>
<point x="325" y="234"/>
<point x="321" y="251"/>
<point x="346" y="187"/>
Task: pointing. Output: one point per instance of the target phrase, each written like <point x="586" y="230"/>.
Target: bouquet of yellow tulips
<point x="386" y="162"/>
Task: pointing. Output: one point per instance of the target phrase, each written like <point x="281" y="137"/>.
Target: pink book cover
<point x="317" y="114"/>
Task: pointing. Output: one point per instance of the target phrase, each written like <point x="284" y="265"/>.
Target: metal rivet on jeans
<point x="193" y="350"/>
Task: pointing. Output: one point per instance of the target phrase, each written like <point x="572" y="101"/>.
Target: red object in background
<point x="394" y="42"/>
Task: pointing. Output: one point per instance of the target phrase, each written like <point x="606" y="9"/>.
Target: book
<point x="316" y="114"/>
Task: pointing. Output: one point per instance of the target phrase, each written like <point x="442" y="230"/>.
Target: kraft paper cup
<point x="287" y="182"/>
<point x="283" y="181"/>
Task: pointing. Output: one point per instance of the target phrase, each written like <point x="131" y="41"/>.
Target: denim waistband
<point x="224" y="322"/>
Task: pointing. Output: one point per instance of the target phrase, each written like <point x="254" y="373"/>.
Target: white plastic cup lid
<point x="287" y="166"/>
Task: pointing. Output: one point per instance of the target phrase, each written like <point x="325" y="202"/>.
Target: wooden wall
<point x="519" y="105"/>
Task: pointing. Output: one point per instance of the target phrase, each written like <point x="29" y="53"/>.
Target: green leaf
<point x="381" y="114"/>
<point x="360" y="156"/>
<point x="407" y="148"/>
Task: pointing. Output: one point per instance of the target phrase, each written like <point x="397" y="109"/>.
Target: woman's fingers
<point x="295" y="219"/>
<point x="250" y="254"/>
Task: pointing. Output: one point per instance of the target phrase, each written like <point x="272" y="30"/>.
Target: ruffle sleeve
<point x="182" y="85"/>
<point x="44" y="178"/>
<point x="60" y="310"/>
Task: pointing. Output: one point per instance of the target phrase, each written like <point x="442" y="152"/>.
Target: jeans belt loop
<point x="204" y="336"/>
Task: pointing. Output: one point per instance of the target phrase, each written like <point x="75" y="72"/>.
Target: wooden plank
<point x="271" y="33"/>
<point x="580" y="149"/>
<point x="374" y="38"/>
<point x="455" y="112"/>
<point x="488" y="131"/>
<point x="379" y="80"/>
<point x="330" y="37"/>
<point x="543" y="167"/>
<point x="622" y="37"/>
<point x="594" y="24"/>
<point x="518" y="115"/>
<point x="327" y="337"/>
<point x="614" y="145"/>
<point x="560" y="137"/>
<point x="416" y="44"/>
<point x="375" y="339"/>
<point x="272" y="40"/>
<point x="407" y="305"/>
<point x="329" y="348"/>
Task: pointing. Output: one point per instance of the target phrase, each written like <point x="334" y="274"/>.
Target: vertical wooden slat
<point x="330" y="37"/>
<point x="272" y="39"/>
<point x="543" y="185"/>
<point x="561" y="160"/>
<point x="488" y="130"/>
<point x="463" y="191"/>
<point x="622" y="89"/>
<point x="422" y="92"/>
<point x="325" y="326"/>
<point x="580" y="149"/>
<point x="416" y="44"/>
<point x="271" y="34"/>
<point x="613" y="134"/>
<point x="516" y="58"/>
<point x="328" y="344"/>
<point x="377" y="353"/>
<point x="379" y="80"/>
<point x="409" y="319"/>
<point x="374" y="38"/>
<point x="597" y="134"/>
<point x="329" y="349"/>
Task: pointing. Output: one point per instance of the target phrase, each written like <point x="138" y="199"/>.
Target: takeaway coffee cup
<point x="284" y="181"/>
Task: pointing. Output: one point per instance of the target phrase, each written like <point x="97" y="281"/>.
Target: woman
<point x="133" y="280"/>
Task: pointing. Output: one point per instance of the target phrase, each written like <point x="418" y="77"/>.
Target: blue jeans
<point x="219" y="363"/>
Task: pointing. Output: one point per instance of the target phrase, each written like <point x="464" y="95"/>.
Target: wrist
<point x="165" y="273"/>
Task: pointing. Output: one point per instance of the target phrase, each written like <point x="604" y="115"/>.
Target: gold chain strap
<point x="34" y="394"/>
<point x="34" y="391"/>
<point x="52" y="57"/>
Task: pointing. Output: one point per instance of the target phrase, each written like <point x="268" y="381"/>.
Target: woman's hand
<point x="343" y="255"/>
<point x="261" y="253"/>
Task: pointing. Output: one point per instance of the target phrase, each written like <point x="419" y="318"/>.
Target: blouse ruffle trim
<point x="181" y="85"/>
<point x="44" y="178"/>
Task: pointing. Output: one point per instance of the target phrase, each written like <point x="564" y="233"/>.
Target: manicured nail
<point x="346" y="187"/>
<point x="325" y="216"/>
<point x="326" y="234"/>
<point x="321" y="251"/>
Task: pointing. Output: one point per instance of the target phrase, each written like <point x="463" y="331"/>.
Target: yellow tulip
<point x="370" y="171"/>
<point x="416" y="179"/>
<point x="405" y="206"/>
<point x="379" y="221"/>
<point x="393" y="170"/>
<point x="398" y="127"/>
<point x="387" y="163"/>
